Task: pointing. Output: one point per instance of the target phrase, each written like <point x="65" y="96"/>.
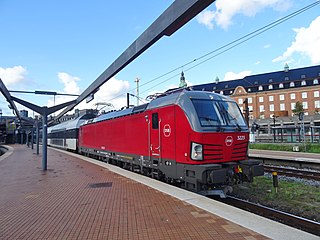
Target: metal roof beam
<point x="173" y="18"/>
<point x="40" y="110"/>
<point x="7" y="95"/>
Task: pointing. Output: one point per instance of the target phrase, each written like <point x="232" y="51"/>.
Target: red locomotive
<point x="196" y="139"/>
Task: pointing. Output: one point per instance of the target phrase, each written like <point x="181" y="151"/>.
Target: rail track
<point x="285" y="218"/>
<point x="294" y="172"/>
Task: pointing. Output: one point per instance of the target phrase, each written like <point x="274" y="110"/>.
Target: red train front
<point x="196" y="139"/>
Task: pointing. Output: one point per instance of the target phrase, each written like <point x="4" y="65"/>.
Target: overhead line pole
<point x="174" y="17"/>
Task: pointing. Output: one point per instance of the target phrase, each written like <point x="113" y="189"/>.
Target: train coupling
<point x="244" y="171"/>
<point x="251" y="169"/>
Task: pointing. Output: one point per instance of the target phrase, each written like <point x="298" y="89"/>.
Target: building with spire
<point x="182" y="81"/>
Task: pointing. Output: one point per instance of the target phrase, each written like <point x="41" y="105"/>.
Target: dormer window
<point x="286" y="78"/>
<point x="292" y="84"/>
<point x="256" y="82"/>
<point x="303" y="76"/>
<point x="260" y="88"/>
<point x="270" y="80"/>
<point x="226" y="86"/>
<point x="270" y="87"/>
<point x="281" y="85"/>
<point x="315" y="81"/>
<point x="214" y="88"/>
<point x="303" y="83"/>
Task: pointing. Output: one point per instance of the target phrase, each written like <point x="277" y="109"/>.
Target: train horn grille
<point x="212" y="152"/>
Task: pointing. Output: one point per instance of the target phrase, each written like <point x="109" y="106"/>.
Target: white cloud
<point x="11" y="77"/>
<point x="234" y="76"/>
<point x="69" y="82"/>
<point x="306" y="43"/>
<point x="14" y="75"/>
<point x="267" y="46"/>
<point x="114" y="92"/>
<point x="227" y="9"/>
<point x="206" y="17"/>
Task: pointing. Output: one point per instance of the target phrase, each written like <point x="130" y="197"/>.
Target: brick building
<point x="275" y="93"/>
<point x="272" y="97"/>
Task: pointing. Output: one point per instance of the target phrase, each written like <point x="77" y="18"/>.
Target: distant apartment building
<point x="273" y="94"/>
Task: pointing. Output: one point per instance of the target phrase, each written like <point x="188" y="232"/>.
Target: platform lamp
<point x="246" y="111"/>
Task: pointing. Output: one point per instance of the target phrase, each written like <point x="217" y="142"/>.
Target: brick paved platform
<point x="75" y="199"/>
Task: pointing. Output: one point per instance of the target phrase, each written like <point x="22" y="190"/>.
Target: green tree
<point x="298" y="108"/>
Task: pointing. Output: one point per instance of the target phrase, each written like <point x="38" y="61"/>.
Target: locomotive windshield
<point x="223" y="115"/>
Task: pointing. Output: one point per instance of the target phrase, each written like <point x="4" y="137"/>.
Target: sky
<point x="64" y="46"/>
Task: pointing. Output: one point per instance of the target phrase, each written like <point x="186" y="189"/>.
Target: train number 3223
<point x="240" y="138"/>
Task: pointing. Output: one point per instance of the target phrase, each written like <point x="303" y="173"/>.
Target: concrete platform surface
<point x="76" y="199"/>
<point x="296" y="156"/>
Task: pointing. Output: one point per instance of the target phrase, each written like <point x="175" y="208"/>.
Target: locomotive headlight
<point x="196" y="151"/>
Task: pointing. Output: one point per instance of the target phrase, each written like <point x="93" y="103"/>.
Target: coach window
<point x="155" y="121"/>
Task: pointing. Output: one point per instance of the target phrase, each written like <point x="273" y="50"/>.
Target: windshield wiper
<point x="230" y="118"/>
<point x="236" y="124"/>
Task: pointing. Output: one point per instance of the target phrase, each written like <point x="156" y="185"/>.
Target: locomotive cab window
<point x="221" y="114"/>
<point x="155" y="121"/>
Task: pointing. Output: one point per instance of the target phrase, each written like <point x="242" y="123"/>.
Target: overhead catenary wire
<point x="208" y="56"/>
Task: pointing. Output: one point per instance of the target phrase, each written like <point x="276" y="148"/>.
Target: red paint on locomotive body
<point x="171" y="140"/>
<point x="127" y="135"/>
<point x="194" y="138"/>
